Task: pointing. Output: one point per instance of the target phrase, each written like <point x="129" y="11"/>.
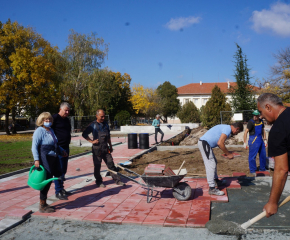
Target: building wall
<point x="198" y="100"/>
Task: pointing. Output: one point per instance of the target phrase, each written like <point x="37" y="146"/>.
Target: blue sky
<point x="184" y="41"/>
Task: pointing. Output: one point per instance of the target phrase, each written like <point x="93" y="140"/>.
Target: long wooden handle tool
<point x="261" y="215"/>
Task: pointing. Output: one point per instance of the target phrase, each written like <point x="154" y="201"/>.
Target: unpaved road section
<point x="49" y="229"/>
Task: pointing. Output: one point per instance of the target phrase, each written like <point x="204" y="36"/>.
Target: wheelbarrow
<point x="180" y="190"/>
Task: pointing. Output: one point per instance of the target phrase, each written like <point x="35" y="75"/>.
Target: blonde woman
<point x="45" y="150"/>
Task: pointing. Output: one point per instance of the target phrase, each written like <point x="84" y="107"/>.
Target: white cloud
<point x="176" y="24"/>
<point x="253" y="72"/>
<point x="277" y="19"/>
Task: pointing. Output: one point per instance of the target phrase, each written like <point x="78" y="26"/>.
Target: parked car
<point x="18" y="127"/>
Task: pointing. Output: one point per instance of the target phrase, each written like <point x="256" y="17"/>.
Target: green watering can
<point x="37" y="178"/>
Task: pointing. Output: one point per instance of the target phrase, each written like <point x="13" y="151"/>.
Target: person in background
<point x="272" y="109"/>
<point x="45" y="150"/>
<point x="62" y="129"/>
<point x="101" y="138"/>
<point x="216" y="136"/>
<point x="156" y="124"/>
<point x="256" y="143"/>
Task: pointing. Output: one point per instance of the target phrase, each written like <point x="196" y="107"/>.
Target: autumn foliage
<point x="29" y="69"/>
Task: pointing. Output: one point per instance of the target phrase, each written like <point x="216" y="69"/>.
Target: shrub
<point x="189" y="113"/>
<point x="211" y="112"/>
<point x="122" y="117"/>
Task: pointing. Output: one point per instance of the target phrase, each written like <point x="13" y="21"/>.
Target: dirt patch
<point x="192" y="157"/>
<point x="193" y="161"/>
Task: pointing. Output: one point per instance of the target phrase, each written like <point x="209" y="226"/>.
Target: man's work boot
<point x="101" y="185"/>
<point x="45" y="208"/>
<point x="66" y="192"/>
<point x="120" y="183"/>
<point x="61" y="196"/>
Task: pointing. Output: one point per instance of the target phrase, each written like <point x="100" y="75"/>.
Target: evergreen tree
<point x="168" y="102"/>
<point x="242" y="94"/>
<point x="189" y="113"/>
<point x="211" y="111"/>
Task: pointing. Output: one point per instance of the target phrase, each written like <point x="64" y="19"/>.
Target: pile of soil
<point x="177" y="139"/>
<point x="193" y="161"/>
<point x="190" y="138"/>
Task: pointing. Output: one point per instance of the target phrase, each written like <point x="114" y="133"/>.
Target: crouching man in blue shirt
<point x="216" y="136"/>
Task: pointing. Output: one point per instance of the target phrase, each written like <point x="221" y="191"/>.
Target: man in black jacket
<point x="62" y="129"/>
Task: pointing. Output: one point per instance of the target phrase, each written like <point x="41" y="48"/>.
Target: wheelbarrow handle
<point x="129" y="171"/>
<point x="112" y="171"/>
<point x="130" y="179"/>
<point x="121" y="167"/>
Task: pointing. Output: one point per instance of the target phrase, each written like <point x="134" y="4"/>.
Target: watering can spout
<point x="37" y="178"/>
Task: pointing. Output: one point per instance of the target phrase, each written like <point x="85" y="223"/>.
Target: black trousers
<point x="160" y="131"/>
<point x="107" y="157"/>
<point x="52" y="166"/>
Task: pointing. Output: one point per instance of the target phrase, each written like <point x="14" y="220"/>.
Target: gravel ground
<point x="48" y="229"/>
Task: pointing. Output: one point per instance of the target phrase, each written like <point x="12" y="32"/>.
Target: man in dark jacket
<point x="101" y="138"/>
<point x="62" y="129"/>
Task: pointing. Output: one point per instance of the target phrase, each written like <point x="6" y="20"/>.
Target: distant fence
<point x="133" y="121"/>
<point x="79" y="123"/>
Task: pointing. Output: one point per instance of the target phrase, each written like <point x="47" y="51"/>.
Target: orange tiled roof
<point x="205" y="88"/>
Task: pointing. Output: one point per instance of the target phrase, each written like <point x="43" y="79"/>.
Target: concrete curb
<point x="13" y="219"/>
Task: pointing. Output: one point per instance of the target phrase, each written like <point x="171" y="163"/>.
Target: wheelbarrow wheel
<point x="182" y="191"/>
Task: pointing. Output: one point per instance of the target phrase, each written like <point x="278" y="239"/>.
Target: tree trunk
<point x="7" y="121"/>
<point x="164" y="120"/>
<point x="13" y="121"/>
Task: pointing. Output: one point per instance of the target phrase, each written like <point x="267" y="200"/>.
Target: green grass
<point x="18" y="155"/>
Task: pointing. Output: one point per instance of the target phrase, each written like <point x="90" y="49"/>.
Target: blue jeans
<point x="63" y="164"/>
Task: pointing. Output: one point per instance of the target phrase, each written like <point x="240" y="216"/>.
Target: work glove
<point x="265" y="142"/>
<point x="246" y="146"/>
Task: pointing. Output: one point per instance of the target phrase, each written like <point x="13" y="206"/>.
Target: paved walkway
<point x="113" y="204"/>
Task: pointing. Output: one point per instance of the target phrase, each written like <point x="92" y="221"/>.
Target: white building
<point x="199" y="94"/>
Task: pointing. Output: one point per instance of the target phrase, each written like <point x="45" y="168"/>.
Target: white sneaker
<point x="215" y="191"/>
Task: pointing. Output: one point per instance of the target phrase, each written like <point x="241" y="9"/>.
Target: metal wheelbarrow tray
<point x="180" y="190"/>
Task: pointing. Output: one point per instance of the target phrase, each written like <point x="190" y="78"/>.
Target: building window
<point x="204" y="100"/>
<point x="195" y="101"/>
<point x="186" y="100"/>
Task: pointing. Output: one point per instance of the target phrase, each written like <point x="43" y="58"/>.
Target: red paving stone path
<point x="113" y="204"/>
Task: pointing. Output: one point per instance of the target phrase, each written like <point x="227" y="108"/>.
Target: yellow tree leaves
<point x="143" y="99"/>
<point x="28" y="73"/>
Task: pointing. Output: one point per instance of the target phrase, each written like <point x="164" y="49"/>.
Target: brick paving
<point x="113" y="204"/>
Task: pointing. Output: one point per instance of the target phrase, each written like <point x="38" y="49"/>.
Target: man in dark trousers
<point x="272" y="109"/>
<point x="257" y="136"/>
<point x="156" y="124"/>
<point x="101" y="138"/>
<point x="62" y="129"/>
